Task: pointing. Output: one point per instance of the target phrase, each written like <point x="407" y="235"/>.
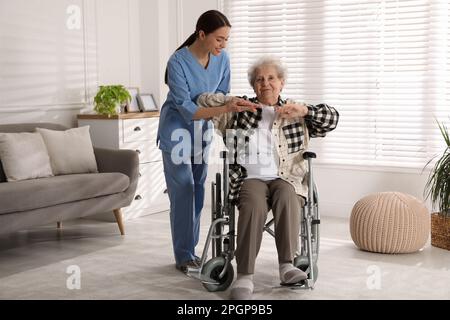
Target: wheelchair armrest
<point x="309" y="155"/>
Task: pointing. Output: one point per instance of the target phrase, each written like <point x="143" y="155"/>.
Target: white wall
<point x="192" y="9"/>
<point x="153" y="29"/>
<point x="170" y="22"/>
<point x="121" y="41"/>
<point x="47" y="59"/>
<point x="130" y="41"/>
<point x="340" y="187"/>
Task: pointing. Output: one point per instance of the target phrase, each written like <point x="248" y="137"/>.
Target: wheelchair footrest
<point x="299" y="284"/>
<point x="195" y="273"/>
<point x="315" y="221"/>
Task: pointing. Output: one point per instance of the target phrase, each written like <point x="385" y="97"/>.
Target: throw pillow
<point x="70" y="151"/>
<point x="24" y="156"/>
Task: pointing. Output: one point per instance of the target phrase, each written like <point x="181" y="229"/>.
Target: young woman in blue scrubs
<point x="198" y="66"/>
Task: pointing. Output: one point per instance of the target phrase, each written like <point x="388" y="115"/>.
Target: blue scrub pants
<point x="186" y="188"/>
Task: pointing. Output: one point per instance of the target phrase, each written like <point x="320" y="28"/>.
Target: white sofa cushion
<point x="70" y="151"/>
<point x="24" y="156"/>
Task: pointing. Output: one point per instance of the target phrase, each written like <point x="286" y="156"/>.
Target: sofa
<point x="28" y="203"/>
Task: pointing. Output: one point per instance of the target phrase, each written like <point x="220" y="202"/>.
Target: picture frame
<point x="133" y="105"/>
<point x="147" y="102"/>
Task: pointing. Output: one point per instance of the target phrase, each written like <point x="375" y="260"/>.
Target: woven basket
<point x="440" y="231"/>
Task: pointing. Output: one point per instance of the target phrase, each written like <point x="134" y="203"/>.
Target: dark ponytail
<point x="188" y="41"/>
<point x="208" y="22"/>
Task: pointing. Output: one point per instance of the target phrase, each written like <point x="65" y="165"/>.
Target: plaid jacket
<point x="291" y="136"/>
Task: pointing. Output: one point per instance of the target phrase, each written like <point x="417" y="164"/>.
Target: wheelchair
<point x="217" y="274"/>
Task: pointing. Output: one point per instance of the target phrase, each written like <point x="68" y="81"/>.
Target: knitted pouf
<point x="390" y="222"/>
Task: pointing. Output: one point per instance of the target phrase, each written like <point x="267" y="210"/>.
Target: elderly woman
<point x="268" y="171"/>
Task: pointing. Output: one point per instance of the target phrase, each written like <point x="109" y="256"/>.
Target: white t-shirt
<point x="262" y="160"/>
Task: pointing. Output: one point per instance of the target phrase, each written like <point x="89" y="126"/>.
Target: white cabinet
<point x="135" y="131"/>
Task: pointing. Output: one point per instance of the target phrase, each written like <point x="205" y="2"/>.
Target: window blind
<point x="384" y="65"/>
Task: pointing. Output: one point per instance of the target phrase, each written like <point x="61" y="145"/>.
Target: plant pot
<point x="440" y="231"/>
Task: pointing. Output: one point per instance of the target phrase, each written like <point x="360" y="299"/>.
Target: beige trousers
<point x="256" y="198"/>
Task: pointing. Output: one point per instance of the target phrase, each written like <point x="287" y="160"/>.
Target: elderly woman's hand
<point x="238" y="105"/>
<point x="292" y="110"/>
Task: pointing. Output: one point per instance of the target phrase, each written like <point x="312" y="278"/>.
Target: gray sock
<point x="242" y="288"/>
<point x="289" y="274"/>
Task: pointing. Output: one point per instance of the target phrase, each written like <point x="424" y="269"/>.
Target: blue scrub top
<point x="187" y="79"/>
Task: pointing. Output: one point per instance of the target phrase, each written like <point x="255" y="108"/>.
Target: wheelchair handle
<point x="224" y="156"/>
<point x="309" y="155"/>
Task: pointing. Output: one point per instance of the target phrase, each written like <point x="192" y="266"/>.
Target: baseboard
<point x="127" y="215"/>
<point x="338" y="210"/>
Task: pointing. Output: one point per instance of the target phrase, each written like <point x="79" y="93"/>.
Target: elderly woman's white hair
<point x="266" y="61"/>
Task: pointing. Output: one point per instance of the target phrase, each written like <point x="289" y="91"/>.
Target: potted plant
<point x="438" y="188"/>
<point x="109" y="99"/>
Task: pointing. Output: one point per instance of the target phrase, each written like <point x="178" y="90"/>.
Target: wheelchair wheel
<point x="212" y="270"/>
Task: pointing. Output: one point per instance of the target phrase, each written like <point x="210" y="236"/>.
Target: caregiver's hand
<point x="238" y="105"/>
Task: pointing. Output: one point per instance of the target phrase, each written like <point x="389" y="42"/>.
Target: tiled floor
<point x="36" y="264"/>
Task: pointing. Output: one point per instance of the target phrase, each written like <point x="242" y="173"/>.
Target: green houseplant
<point x="438" y="189"/>
<point x="109" y="99"/>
